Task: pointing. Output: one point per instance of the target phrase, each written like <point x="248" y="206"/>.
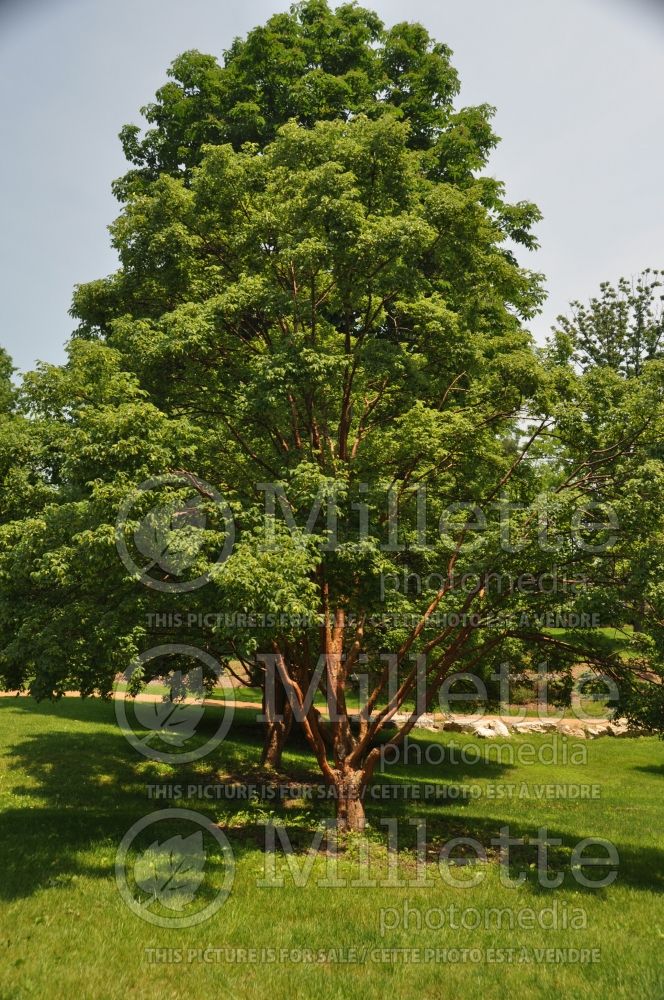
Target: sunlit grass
<point x="71" y="786"/>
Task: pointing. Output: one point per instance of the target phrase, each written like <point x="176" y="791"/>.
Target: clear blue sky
<point x="579" y="86"/>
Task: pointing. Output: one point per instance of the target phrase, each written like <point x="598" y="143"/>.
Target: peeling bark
<point x="279" y="721"/>
<point x="349" y="788"/>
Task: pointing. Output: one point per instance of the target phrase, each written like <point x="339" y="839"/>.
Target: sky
<point x="578" y="86"/>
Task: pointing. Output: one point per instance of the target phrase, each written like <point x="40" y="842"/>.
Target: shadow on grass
<point x="75" y="790"/>
<point x="657" y="769"/>
<point x="81" y="786"/>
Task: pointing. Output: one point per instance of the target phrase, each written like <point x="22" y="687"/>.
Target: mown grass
<point x="71" y="786"/>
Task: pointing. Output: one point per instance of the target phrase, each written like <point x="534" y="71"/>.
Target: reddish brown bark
<point x="278" y="723"/>
<point x="349" y="800"/>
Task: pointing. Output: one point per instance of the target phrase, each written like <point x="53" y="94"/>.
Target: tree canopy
<point x="312" y="64"/>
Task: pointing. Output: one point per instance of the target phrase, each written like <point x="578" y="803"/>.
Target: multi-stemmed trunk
<point x="349" y="801"/>
<point x="278" y="714"/>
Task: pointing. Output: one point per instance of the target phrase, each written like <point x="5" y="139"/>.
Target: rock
<point x="548" y="725"/>
<point x="616" y="729"/>
<point x="592" y="730"/>
<point x="535" y="726"/>
<point x="490" y="729"/>
<point x="452" y="726"/>
<point x="524" y="728"/>
<point x="428" y="722"/>
<point x="574" y="729"/>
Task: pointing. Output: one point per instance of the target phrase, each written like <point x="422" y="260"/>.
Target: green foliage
<point x="621" y="329"/>
<point x="7" y="391"/>
<point x="318" y="290"/>
<point x="311" y="64"/>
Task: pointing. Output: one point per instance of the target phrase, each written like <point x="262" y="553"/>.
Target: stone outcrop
<point x="491" y="727"/>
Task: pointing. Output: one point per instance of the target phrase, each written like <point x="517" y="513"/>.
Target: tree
<point x="23" y="454"/>
<point x="325" y="325"/>
<point x="311" y="64"/>
<point x="7" y="390"/>
<point x="622" y="328"/>
<point x="617" y="341"/>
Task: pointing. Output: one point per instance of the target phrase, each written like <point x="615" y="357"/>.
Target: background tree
<point x="622" y="328"/>
<point x="7" y="390"/>
<point x="616" y="340"/>
<point x="25" y="485"/>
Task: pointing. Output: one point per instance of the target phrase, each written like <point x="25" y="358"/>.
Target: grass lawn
<point x="71" y="787"/>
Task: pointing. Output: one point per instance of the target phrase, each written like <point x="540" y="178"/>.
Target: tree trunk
<point x="276" y="734"/>
<point x="279" y="720"/>
<point x="349" y="788"/>
<point x="639" y="617"/>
